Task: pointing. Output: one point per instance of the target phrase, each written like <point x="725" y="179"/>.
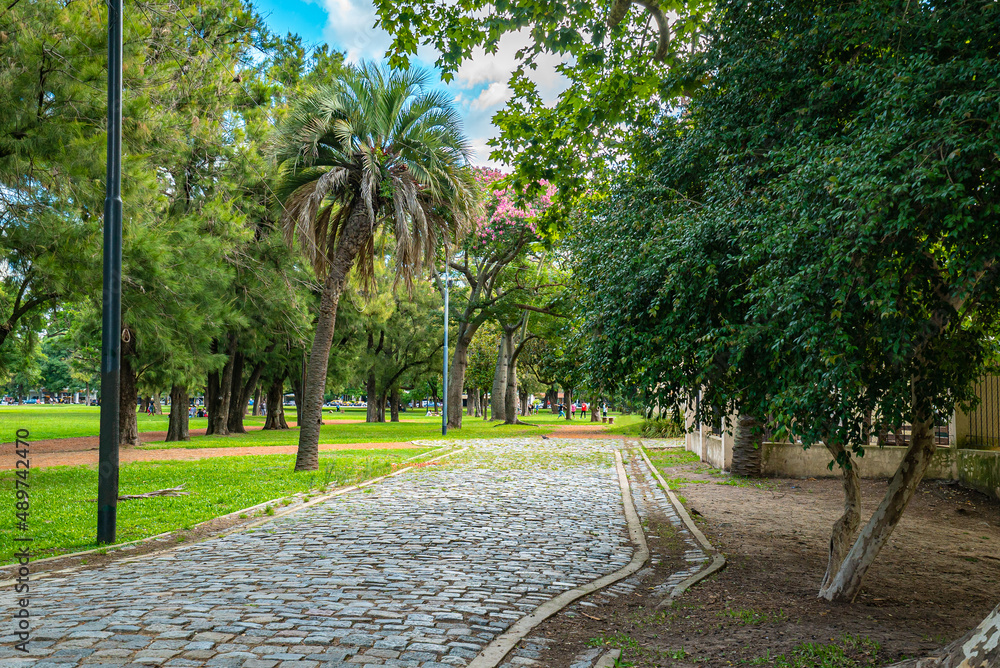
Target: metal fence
<point x="984" y="422"/>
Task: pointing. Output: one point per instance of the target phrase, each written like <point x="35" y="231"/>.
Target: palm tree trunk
<point x="747" y="447"/>
<point x="357" y="231"/>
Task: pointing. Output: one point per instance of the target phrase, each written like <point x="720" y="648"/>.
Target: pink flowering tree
<point x="485" y="269"/>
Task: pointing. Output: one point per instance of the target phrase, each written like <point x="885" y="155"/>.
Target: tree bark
<point x="568" y="399"/>
<point x="355" y="234"/>
<point x="845" y="528"/>
<point x="553" y="397"/>
<point x="979" y="648"/>
<point x="234" y="416"/>
<point x="275" y="405"/>
<point x="846" y="584"/>
<point x="394" y="404"/>
<point x="241" y="397"/>
<point x="128" y="426"/>
<point x="510" y="397"/>
<point x="456" y="372"/>
<point x="218" y="408"/>
<point x="482" y="405"/>
<point x="470" y="403"/>
<point x="177" y="428"/>
<point x="594" y="407"/>
<point x="256" y="401"/>
<point x="747" y="446"/>
<point x="498" y="394"/>
<point x="523" y="402"/>
<point x="157" y="406"/>
<point x="371" y="415"/>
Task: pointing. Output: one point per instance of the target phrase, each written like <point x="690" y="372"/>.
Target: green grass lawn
<point x="46" y="421"/>
<point x="63" y="514"/>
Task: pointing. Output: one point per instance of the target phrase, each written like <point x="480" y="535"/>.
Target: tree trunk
<point x="371" y="415"/>
<point x="568" y="399"/>
<point x="144" y="404"/>
<point x="394" y="404"/>
<point x="747" y="446"/>
<point x="498" y="394"/>
<point x="553" y="398"/>
<point x="523" y="402"/>
<point x="381" y="407"/>
<point x="355" y="234"/>
<point x="275" y="406"/>
<point x="979" y="648"/>
<point x="157" y="406"/>
<point x="470" y="403"/>
<point x="177" y="428"/>
<point x="845" y="528"/>
<point x="510" y="397"/>
<point x="846" y="584"/>
<point x="218" y="408"/>
<point x="234" y="416"/>
<point x="128" y="426"/>
<point x="484" y="413"/>
<point x="256" y="401"/>
<point x="241" y="397"/>
<point x="456" y="373"/>
<point x="594" y="408"/>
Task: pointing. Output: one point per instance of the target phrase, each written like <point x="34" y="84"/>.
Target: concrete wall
<point x="716" y="452"/>
<point x="980" y="470"/>
<point x="794" y="461"/>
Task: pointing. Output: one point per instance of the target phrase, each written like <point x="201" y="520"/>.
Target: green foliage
<point x="753" y="617"/>
<point x="812" y="237"/>
<point x="851" y="652"/>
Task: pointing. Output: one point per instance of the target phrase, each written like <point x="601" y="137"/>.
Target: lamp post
<point x="111" y="314"/>
<point x="444" y="404"/>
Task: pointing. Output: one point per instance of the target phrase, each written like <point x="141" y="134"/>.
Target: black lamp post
<point x="107" y="486"/>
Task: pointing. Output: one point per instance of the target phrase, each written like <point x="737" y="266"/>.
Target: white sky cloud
<point x="480" y="85"/>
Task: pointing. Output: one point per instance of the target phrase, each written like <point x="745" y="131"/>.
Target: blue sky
<point x="480" y="86"/>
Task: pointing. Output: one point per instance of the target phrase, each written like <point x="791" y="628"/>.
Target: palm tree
<point x="376" y="151"/>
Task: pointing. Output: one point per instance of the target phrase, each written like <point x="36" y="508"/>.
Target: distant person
<point x="572" y="410"/>
<point x="562" y="413"/>
<point x="583" y="411"/>
<point x="604" y="411"/>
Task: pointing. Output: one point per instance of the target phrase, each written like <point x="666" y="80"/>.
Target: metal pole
<point x="107" y="481"/>
<point x="444" y="406"/>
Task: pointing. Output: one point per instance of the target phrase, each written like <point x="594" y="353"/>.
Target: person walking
<point x="572" y="411"/>
<point x="583" y="411"/>
<point x="562" y="413"/>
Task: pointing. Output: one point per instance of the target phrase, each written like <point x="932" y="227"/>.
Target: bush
<point x="668" y="428"/>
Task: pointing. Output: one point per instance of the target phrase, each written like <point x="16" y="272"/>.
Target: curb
<point x="494" y="653"/>
<point x="250" y="525"/>
<point x="718" y="561"/>
<point x="609" y="660"/>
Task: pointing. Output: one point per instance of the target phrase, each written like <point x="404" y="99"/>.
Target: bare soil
<point x="938" y="577"/>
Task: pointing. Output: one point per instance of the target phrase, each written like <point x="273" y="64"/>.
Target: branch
<point x="541" y="310"/>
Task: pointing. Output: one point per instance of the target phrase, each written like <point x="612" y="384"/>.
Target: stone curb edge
<point x="494" y="653"/>
<point x="251" y="525"/>
<point x="718" y="561"/>
<point x="609" y="660"/>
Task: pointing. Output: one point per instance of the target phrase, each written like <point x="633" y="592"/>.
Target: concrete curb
<point x="609" y="660"/>
<point x="718" y="561"/>
<point x="288" y="511"/>
<point x="494" y="653"/>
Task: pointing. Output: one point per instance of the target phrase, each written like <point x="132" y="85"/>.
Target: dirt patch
<point x="581" y="430"/>
<point x="126" y="455"/>
<point x="937" y="578"/>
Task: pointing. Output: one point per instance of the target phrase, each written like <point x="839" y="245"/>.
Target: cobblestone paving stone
<point x="422" y="570"/>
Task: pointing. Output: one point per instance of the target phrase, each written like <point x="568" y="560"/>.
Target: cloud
<point x="480" y="85"/>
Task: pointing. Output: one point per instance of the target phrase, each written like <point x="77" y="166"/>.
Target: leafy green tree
<point x="812" y="240"/>
<point x="349" y="167"/>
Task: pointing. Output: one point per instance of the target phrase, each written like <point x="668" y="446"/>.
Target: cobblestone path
<point x="422" y="570"/>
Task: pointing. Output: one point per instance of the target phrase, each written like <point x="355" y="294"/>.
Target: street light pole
<point x="111" y="315"/>
<point x="444" y="405"/>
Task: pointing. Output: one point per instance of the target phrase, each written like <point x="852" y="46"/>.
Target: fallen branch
<point x="170" y="491"/>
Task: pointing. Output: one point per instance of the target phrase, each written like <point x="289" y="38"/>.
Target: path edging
<point x="243" y="527"/>
<point x="718" y="560"/>
<point x="609" y="660"/>
<point x="500" y="647"/>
